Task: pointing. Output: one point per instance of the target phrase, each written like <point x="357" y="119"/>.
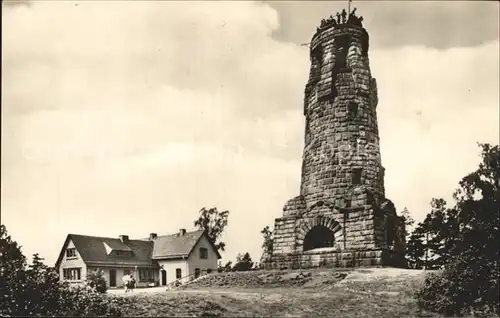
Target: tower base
<point x="335" y="259"/>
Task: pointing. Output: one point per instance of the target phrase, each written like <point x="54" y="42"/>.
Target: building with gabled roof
<point x="153" y="261"/>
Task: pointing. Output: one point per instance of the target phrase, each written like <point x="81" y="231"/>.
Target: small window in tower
<point x="317" y="61"/>
<point x="317" y="54"/>
<point x="352" y="110"/>
<point x="356" y="176"/>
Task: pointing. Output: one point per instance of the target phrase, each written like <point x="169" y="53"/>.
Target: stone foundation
<point x="336" y="259"/>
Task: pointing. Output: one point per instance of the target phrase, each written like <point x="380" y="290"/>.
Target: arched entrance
<point x="318" y="237"/>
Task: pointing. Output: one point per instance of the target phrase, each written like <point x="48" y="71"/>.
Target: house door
<point x="112" y="278"/>
<point x="163" y="277"/>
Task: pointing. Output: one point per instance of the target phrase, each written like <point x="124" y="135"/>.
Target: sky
<point x="128" y="117"/>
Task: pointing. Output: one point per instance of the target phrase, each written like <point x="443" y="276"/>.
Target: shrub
<point x="86" y="301"/>
<point x="225" y="268"/>
<point x="35" y="290"/>
<point x="243" y="263"/>
<point x="465" y="286"/>
<point x="95" y="279"/>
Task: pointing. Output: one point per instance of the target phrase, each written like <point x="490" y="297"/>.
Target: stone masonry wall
<point x="341" y="123"/>
<point x="342" y="184"/>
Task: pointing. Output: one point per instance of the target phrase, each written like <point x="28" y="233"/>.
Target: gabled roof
<point x="100" y="251"/>
<point x="178" y="246"/>
<point x="93" y="251"/>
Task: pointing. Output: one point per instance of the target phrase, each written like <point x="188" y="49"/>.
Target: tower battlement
<point x="342" y="21"/>
<point x="342" y="210"/>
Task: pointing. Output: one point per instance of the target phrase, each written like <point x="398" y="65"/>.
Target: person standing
<point x="126" y="281"/>
<point x="131" y="283"/>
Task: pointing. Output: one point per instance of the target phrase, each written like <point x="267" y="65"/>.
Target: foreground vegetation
<point x="361" y="293"/>
<point x="35" y="290"/>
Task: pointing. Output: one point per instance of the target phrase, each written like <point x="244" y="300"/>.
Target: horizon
<point x="129" y="117"/>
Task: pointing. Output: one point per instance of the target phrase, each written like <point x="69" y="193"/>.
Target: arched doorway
<point x="319" y="236"/>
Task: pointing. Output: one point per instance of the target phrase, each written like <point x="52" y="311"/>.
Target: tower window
<point x="352" y="110"/>
<point x="356" y="176"/>
<point x="317" y="61"/>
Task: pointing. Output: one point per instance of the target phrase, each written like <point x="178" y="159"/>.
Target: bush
<point x="243" y="263"/>
<point x="464" y="287"/>
<point x="95" y="279"/>
<point x="225" y="268"/>
<point x="86" y="301"/>
<point x="35" y="290"/>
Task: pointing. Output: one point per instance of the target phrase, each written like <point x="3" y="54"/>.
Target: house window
<point x="203" y="253"/>
<point x="196" y="272"/>
<point x="178" y="273"/>
<point x="146" y="274"/>
<point x="72" y="273"/>
<point x="356" y="176"/>
<point x="71" y="252"/>
<point x="126" y="272"/>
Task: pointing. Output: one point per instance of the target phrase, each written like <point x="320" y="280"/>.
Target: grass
<point x="361" y="294"/>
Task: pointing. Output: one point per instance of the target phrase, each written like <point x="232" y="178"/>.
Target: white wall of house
<point x="188" y="266"/>
<point x="171" y="266"/>
<point x="72" y="262"/>
<point x="120" y="272"/>
<point x="195" y="261"/>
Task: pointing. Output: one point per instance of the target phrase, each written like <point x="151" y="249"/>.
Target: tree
<point x="469" y="282"/>
<point x="243" y="263"/>
<point x="267" y="245"/>
<point x="35" y="290"/>
<point x="415" y="249"/>
<point x="408" y="220"/>
<point x="412" y="246"/>
<point x="11" y="275"/>
<point x="213" y="222"/>
<point x="429" y="245"/>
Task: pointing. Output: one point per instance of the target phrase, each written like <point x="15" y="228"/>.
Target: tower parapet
<point x="341" y="209"/>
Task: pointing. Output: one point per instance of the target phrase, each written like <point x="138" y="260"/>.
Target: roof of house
<point x="177" y="245"/>
<point x="94" y="251"/>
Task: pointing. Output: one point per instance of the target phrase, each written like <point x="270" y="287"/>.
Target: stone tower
<point x="341" y="217"/>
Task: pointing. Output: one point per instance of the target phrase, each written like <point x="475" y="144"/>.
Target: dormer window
<point x="71" y="252"/>
<point x="203" y="253"/>
<point x="119" y="252"/>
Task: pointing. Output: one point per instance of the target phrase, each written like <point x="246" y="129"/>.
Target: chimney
<point x="123" y="238"/>
<point x="182" y="232"/>
<point x="152" y="236"/>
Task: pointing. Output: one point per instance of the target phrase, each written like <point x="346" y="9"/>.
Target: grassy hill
<point x="378" y="292"/>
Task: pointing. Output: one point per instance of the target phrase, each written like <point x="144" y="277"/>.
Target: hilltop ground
<point x="377" y="292"/>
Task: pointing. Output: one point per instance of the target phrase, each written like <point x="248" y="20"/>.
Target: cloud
<point x="398" y="23"/>
<point x="123" y="110"/>
<point x="128" y="117"/>
<point x="434" y="106"/>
